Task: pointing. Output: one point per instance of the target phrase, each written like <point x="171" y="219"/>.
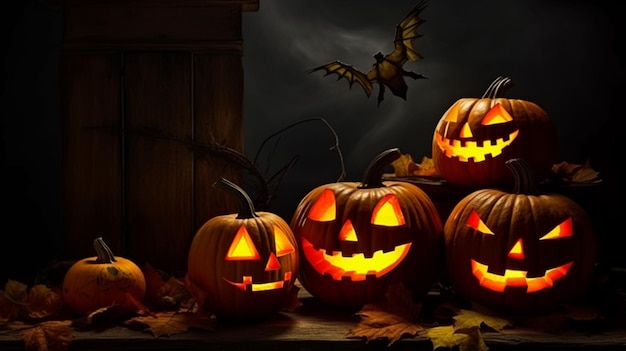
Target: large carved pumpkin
<point x="476" y="136"/>
<point x="519" y="251"/>
<point x="242" y="266"/>
<point x="357" y="238"/>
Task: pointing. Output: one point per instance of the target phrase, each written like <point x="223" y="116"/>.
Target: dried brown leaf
<point x="169" y="323"/>
<point x="393" y="319"/>
<point x="48" y="336"/>
<point x="377" y="323"/>
<point x="401" y="165"/>
<point x="44" y="302"/>
<point x="14" y="301"/>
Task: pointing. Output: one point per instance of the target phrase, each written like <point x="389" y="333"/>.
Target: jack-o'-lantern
<point x="523" y="251"/>
<point x="357" y="238"/>
<point x="476" y="136"/>
<point x="242" y="266"/>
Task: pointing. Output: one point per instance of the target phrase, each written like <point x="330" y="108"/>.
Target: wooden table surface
<point x="312" y="327"/>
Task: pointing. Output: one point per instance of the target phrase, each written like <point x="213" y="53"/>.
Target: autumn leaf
<point x="44" y="302"/>
<point x="401" y="165"/>
<point x="171" y="322"/>
<point x="468" y="339"/>
<point x="392" y="320"/>
<point x="14" y="301"/>
<point x="425" y="168"/>
<point x="48" y="336"/>
<point x="469" y="319"/>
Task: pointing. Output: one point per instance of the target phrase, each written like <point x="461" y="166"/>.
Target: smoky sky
<point x="560" y="55"/>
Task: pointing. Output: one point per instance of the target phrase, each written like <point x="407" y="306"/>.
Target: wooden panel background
<point x="92" y="162"/>
<point x="158" y="165"/>
<point x="145" y="103"/>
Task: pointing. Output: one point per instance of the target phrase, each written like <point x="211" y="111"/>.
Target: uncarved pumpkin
<point x="476" y="136"/>
<point x="242" y="266"/>
<point x="358" y="238"/>
<point x="522" y="251"/>
<point x="103" y="281"/>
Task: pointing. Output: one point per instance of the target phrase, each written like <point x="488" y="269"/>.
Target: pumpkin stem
<point x="105" y="255"/>
<point x="524" y="177"/>
<point x="246" y="206"/>
<point x="498" y="87"/>
<point x="373" y="177"/>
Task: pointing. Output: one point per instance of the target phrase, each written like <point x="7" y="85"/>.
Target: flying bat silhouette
<point x="388" y="69"/>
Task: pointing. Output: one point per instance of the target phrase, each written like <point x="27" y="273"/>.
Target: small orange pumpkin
<point x="102" y="281"/>
<point x="242" y="266"/>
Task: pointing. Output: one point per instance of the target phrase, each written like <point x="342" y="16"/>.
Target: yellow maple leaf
<point x="171" y="322"/>
<point x="48" y="336"/>
<point x="469" y="339"/>
<point x="468" y="319"/>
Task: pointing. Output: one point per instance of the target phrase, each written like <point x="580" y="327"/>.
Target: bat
<point x="387" y="70"/>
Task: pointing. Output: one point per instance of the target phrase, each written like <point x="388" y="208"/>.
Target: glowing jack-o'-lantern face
<point x="517" y="277"/>
<point x="356" y="238"/>
<point x="242" y="248"/>
<point x="519" y="251"/>
<point x="356" y="266"/>
<point x="476" y="136"/>
<point x="244" y="265"/>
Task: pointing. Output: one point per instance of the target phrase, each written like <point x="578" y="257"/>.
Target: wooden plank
<point x="218" y="101"/>
<point x="90" y="96"/>
<point x="316" y="327"/>
<point x="158" y="158"/>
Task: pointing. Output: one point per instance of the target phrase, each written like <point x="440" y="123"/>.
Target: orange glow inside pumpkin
<point x="387" y="212"/>
<point x="466" y="149"/>
<point x="243" y="248"/>
<point x="518" y="278"/>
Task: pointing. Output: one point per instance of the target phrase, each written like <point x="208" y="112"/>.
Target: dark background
<point x="565" y="56"/>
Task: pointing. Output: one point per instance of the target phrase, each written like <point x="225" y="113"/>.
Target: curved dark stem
<point x="374" y="172"/>
<point x="105" y="254"/>
<point x="246" y="207"/>
<point x="335" y="147"/>
<point x="525" y="182"/>
<point x="498" y="87"/>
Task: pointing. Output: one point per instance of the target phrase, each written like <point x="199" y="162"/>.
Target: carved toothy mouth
<point x="246" y="282"/>
<point x="464" y="150"/>
<point x="357" y="266"/>
<point x="517" y="278"/>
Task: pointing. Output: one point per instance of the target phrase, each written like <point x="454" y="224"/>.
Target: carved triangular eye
<point x="474" y="221"/>
<point x="323" y="210"/>
<point x="283" y="245"/>
<point x="496" y="115"/>
<point x="242" y="247"/>
<point x="560" y="231"/>
<point x="388" y="212"/>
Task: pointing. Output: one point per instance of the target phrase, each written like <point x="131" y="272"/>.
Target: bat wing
<point x="406" y="33"/>
<point x="348" y="72"/>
